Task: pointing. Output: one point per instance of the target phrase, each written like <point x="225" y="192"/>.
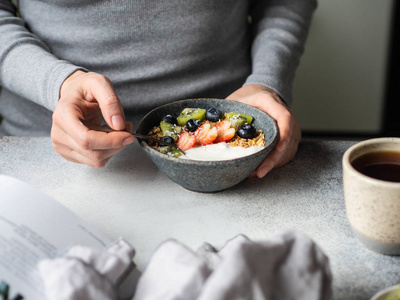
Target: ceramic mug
<point x="393" y="292"/>
<point x="373" y="205"/>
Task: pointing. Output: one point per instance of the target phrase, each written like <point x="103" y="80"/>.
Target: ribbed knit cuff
<point x="284" y="93"/>
<point x="30" y="71"/>
<point x="54" y="80"/>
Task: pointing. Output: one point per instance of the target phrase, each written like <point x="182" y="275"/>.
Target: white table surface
<point x="131" y="198"/>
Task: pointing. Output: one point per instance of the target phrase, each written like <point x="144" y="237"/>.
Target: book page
<point x="33" y="227"/>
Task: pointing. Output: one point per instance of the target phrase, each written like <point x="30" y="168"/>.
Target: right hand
<point x="88" y="96"/>
<point x="289" y="129"/>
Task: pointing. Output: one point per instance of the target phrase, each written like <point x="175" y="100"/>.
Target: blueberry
<point x="169" y="119"/>
<point x="167" y="139"/>
<point x="246" y="131"/>
<point x="213" y="114"/>
<point x="193" y="124"/>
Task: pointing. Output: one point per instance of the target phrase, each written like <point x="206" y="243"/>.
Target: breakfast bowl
<point x="208" y="176"/>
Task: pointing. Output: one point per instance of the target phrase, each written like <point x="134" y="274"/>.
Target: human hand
<point x="91" y="97"/>
<point x="289" y="129"/>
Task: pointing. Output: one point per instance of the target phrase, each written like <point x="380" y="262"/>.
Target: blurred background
<point x="347" y="82"/>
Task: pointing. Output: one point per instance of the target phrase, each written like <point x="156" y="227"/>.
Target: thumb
<point x="110" y="106"/>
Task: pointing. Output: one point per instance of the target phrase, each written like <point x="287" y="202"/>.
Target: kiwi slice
<point x="191" y="113"/>
<point x="238" y="119"/>
<point x="171" y="151"/>
<point x="171" y="130"/>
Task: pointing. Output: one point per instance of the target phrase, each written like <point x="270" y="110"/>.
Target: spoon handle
<point x="105" y="128"/>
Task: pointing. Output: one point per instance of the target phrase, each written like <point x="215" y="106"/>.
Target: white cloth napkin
<point x="86" y="273"/>
<point x="287" y="266"/>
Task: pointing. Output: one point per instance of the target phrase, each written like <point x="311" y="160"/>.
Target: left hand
<point x="289" y="129"/>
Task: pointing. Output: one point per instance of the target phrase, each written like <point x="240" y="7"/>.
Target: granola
<point x="236" y="141"/>
<point x="258" y="140"/>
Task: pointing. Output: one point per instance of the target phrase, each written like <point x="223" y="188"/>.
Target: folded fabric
<point x="86" y="273"/>
<point x="287" y="266"/>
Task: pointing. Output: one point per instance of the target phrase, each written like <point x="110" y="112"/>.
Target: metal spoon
<point x="105" y="128"/>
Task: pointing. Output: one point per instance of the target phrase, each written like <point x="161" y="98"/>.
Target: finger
<point x="291" y="150"/>
<point x="101" y="90"/>
<point x="285" y="124"/>
<point x="278" y="112"/>
<point x="284" y="121"/>
<point x="74" y="156"/>
<point x="268" y="163"/>
<point x="91" y="139"/>
<point x="277" y="159"/>
<point x="94" y="156"/>
<point x="66" y="146"/>
<point x="96" y="140"/>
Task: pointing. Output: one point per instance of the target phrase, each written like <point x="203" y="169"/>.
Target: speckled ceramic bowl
<point x="208" y="176"/>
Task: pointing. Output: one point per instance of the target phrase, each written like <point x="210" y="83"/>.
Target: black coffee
<point x="384" y="165"/>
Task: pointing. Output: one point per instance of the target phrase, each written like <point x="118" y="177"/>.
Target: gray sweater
<point x="153" y="51"/>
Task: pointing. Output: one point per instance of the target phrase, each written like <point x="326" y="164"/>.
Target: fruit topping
<point x="172" y="151"/>
<point x="213" y="114"/>
<point x="225" y="131"/>
<point x="167" y="139"/>
<point x="191" y="113"/>
<point x="238" y="119"/>
<point x="186" y="141"/>
<point x="193" y="124"/>
<point x="196" y="127"/>
<point x="168" y="119"/>
<point x="171" y="130"/>
<point x="206" y="134"/>
<point x="246" y="131"/>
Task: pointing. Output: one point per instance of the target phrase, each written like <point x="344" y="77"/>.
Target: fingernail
<point x="118" y="122"/>
<point x="282" y="146"/>
<point x="127" y="141"/>
<point x="265" y="170"/>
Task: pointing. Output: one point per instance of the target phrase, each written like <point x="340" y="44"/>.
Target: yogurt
<point x="218" y="152"/>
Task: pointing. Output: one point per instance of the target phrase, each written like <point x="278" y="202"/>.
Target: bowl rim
<point x="152" y="151"/>
<point x="385" y="291"/>
<point x="347" y="162"/>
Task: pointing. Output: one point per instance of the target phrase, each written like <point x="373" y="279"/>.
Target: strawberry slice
<point x="206" y="134"/>
<point x="186" y="141"/>
<point x="225" y="131"/>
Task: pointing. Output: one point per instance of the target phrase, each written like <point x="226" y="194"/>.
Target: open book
<point x="33" y="227"/>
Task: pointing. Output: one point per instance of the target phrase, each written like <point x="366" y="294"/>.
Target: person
<point x="65" y="60"/>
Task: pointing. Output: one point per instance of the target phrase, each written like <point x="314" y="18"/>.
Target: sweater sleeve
<point x="280" y="29"/>
<point x="27" y="66"/>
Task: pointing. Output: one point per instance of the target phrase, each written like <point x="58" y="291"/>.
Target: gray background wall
<point x="340" y="84"/>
